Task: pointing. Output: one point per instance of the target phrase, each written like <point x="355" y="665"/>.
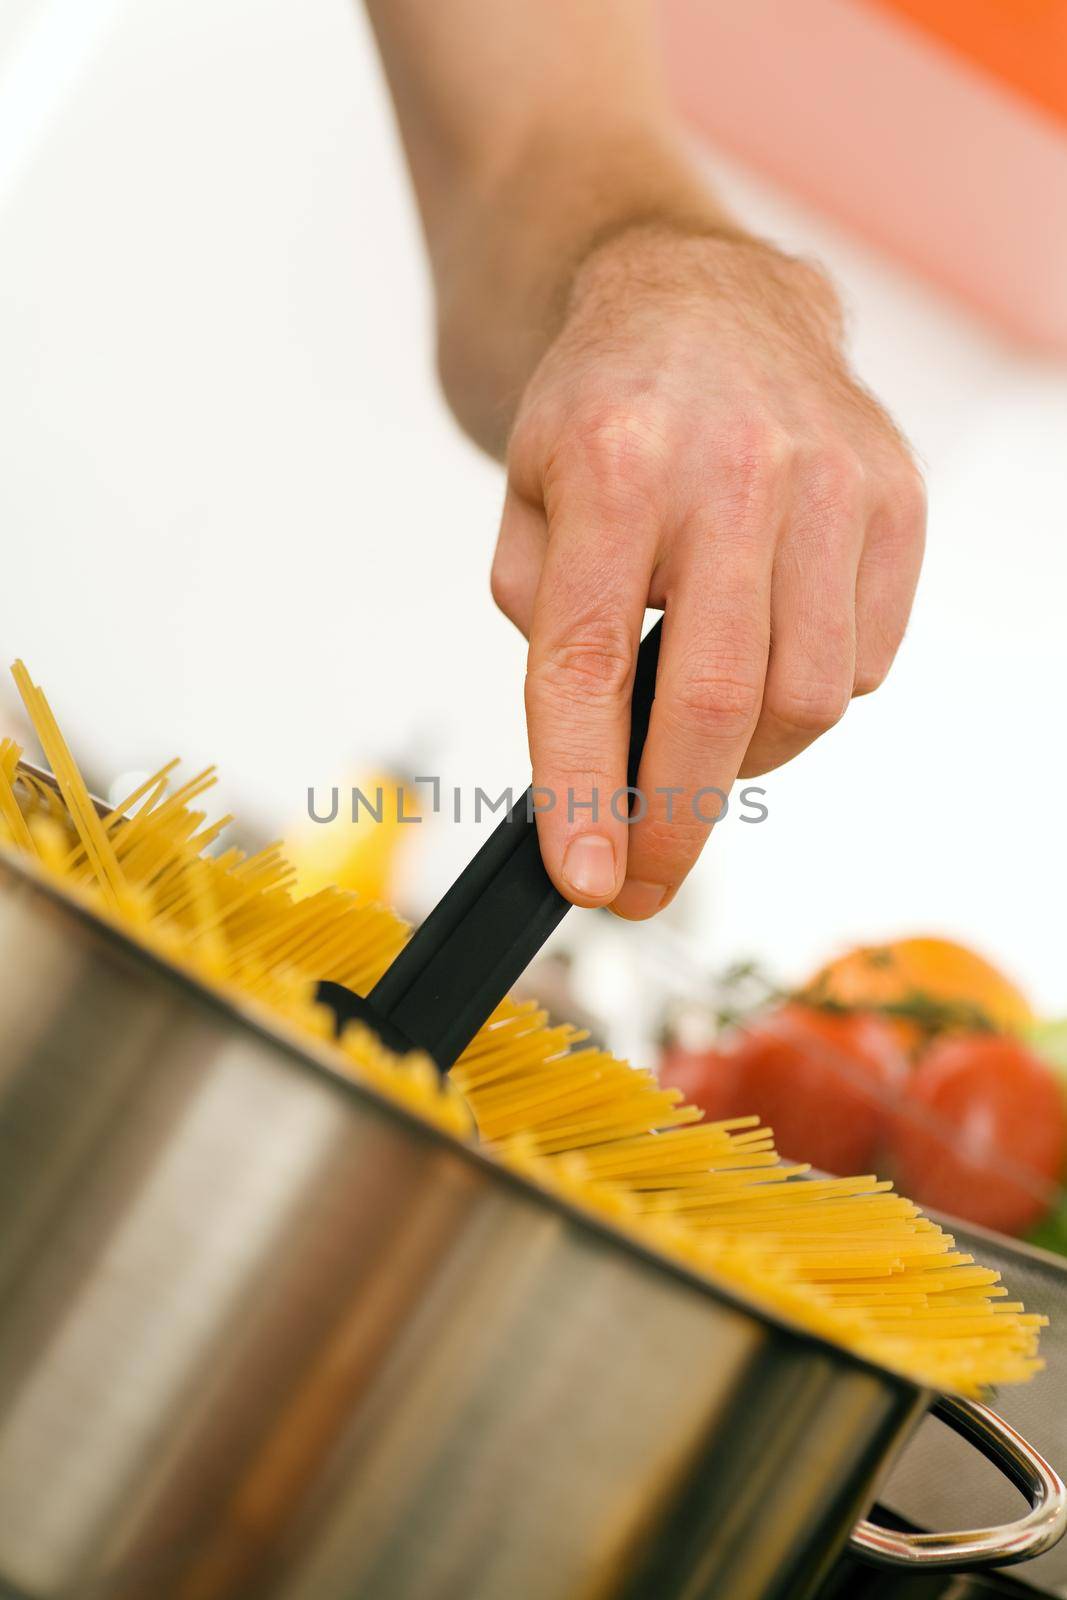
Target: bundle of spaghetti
<point x="843" y="1257"/>
<point x="847" y="1256"/>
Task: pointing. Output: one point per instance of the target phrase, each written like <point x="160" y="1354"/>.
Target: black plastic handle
<point x="481" y="937"/>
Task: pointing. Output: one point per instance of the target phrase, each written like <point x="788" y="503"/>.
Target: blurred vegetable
<point x="824" y="1081"/>
<point x="981" y="1132"/>
<point x="1051" y="1232"/>
<point x="361" y="848"/>
<point x="929" y="985"/>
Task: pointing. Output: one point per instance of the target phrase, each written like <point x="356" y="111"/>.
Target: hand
<point x="694" y="441"/>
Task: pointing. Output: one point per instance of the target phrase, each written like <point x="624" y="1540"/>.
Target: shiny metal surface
<point x="1001" y="1545"/>
<point x="938" y="1477"/>
<point x="857" y="1580"/>
<point x="262" y="1335"/>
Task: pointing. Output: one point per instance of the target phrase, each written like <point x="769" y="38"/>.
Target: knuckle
<point x="809" y="707"/>
<point x="535" y="423"/>
<point x="870" y="676"/>
<point x="877" y="652"/>
<point x="720" y="706"/>
<point x="908" y="492"/>
<point x="506" y="588"/>
<point x="673" y="846"/>
<point x="530" y="444"/>
<point x="659" y="859"/>
<point x="595" y="663"/>
<point x="754" y="451"/>
<point x="834" y="483"/>
<point x="620" y="442"/>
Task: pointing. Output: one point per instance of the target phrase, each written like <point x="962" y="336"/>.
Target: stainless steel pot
<point x="263" y="1335"/>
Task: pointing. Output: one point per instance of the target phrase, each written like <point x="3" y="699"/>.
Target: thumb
<point x="583" y="649"/>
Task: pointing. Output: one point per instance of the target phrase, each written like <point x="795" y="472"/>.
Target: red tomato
<point x="706" y="1078"/>
<point x="823" y="1081"/>
<point x="981" y="1132"/>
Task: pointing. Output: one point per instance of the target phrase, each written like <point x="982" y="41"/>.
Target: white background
<point x="239" y="524"/>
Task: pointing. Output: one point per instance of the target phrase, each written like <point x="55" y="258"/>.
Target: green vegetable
<point x="1049" y="1040"/>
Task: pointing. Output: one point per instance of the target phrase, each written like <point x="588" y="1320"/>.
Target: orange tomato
<point x="939" y="979"/>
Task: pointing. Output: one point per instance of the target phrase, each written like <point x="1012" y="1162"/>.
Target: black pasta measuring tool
<point x="482" y="935"/>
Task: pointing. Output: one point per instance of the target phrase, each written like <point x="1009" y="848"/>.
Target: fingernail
<point x="637" y="899"/>
<point x="589" y="866"/>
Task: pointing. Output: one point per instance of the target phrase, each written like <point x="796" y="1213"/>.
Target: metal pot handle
<point x="983" y="1547"/>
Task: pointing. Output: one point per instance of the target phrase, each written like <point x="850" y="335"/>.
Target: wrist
<point x="515" y="249"/>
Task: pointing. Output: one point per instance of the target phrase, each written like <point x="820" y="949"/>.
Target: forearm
<point x="533" y="131"/>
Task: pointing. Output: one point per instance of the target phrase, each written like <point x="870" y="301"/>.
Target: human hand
<point x="693" y="440"/>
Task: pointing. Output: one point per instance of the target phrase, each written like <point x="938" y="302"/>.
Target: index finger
<point x="713" y="662"/>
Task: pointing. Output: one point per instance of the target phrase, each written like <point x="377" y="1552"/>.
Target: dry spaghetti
<point x="844" y="1257"/>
